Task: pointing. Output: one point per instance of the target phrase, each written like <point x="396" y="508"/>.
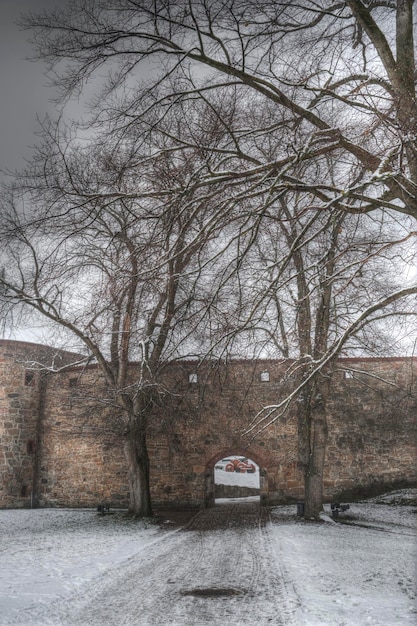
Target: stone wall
<point x="82" y="461"/>
<point x="78" y="458"/>
<point x="22" y="391"/>
<point x="373" y="426"/>
<point x="207" y="424"/>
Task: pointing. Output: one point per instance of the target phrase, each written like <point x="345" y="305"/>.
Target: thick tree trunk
<point x="138" y="469"/>
<point x="313" y="477"/>
<point x="312" y="441"/>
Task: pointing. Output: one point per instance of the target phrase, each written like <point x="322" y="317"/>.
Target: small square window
<point x="193" y="378"/>
<point x="73" y="382"/>
<point x="348" y="374"/>
<point x="265" y="377"/>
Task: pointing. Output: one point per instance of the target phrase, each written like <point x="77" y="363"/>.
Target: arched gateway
<point x="210" y="487"/>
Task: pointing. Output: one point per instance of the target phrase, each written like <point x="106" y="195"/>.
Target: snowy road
<point x="75" y="568"/>
<point x="189" y="578"/>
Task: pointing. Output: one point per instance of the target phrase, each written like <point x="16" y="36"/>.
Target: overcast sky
<point x="23" y="94"/>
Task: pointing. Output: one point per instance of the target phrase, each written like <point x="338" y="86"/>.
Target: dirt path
<point x="235" y="515"/>
<point x="220" y="570"/>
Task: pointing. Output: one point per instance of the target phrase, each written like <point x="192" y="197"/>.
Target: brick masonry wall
<point x="80" y="460"/>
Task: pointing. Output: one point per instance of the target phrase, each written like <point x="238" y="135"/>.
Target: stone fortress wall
<point x="59" y="446"/>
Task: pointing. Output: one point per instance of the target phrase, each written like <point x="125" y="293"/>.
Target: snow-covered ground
<point x="75" y="567"/>
<point x="48" y="554"/>
<point x="359" y="572"/>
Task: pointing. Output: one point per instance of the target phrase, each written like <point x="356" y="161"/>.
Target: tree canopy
<point x="323" y="79"/>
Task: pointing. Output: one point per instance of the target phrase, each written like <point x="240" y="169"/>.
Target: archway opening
<point x="236" y="478"/>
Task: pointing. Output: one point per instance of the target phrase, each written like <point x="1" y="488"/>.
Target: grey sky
<point x="23" y="97"/>
<point x="23" y="94"/>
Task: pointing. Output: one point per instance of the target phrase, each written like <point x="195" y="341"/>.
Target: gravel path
<point x="216" y="571"/>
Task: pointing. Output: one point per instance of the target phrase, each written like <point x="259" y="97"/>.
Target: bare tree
<point x="338" y="77"/>
<point x="121" y="274"/>
<point x="320" y="287"/>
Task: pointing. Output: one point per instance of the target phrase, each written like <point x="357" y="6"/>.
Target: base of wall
<point x="376" y="488"/>
<point x="360" y="492"/>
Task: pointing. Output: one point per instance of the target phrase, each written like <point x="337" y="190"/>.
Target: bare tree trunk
<point x="312" y="437"/>
<point x="313" y="477"/>
<point x="138" y="470"/>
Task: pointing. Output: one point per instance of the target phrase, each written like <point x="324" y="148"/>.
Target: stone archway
<point x="209" y="481"/>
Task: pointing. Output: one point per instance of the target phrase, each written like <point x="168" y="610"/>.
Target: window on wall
<point x="30" y="446"/>
<point x="265" y="377"/>
<point x="29" y="379"/>
<point x="73" y="382"/>
<point x="192" y="378"/>
<point x="348" y="374"/>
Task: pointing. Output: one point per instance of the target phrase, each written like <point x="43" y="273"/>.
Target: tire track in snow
<point x="156" y="586"/>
